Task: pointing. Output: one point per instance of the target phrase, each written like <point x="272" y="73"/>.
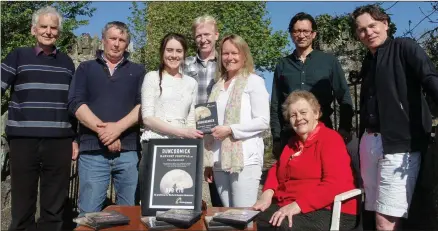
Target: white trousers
<point x="238" y="189"/>
<point x="389" y="179"/>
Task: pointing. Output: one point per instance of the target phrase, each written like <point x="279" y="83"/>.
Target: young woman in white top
<point x="234" y="151"/>
<point x="168" y="97"/>
<point x="167" y="100"/>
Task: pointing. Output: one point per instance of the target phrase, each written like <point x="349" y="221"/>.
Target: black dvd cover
<point x="206" y="117"/>
<point x="236" y="216"/>
<point x="180" y="217"/>
<point x="107" y="218"/>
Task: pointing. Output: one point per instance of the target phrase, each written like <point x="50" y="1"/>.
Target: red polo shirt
<point x="313" y="178"/>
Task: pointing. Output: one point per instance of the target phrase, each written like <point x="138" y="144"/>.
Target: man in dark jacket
<point x="395" y="118"/>
<point x="105" y="97"/>
<point x="311" y="70"/>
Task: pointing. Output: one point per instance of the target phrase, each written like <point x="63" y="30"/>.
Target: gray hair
<point x="118" y="25"/>
<point x="47" y="10"/>
<point x="204" y="19"/>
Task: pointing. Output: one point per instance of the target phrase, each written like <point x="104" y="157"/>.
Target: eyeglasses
<point x="298" y="32"/>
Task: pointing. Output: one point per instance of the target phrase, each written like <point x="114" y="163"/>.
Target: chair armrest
<point x="349" y="194"/>
<point x="336" y="212"/>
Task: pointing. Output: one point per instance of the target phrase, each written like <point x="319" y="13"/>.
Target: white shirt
<point x="176" y="105"/>
<point x="254" y="120"/>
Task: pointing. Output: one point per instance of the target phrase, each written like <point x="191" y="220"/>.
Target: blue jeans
<point x="95" y="171"/>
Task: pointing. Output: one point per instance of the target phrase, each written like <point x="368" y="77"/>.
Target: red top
<point x="314" y="177"/>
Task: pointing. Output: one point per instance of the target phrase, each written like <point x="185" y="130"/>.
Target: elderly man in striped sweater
<point x="39" y="128"/>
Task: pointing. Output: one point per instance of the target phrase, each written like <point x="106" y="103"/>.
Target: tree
<point x="429" y="39"/>
<point x="16" y="18"/>
<point x="137" y="24"/>
<point x="247" y="19"/>
<point x="430" y="44"/>
<point x="71" y="11"/>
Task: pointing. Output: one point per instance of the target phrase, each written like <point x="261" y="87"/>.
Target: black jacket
<point x="404" y="73"/>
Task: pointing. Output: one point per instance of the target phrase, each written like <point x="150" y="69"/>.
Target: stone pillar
<point x="86" y="48"/>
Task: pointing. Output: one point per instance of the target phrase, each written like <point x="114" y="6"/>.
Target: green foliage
<point x="16" y="18"/>
<point x="137" y="23"/>
<point x="247" y="19"/>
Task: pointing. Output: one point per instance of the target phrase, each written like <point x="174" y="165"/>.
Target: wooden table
<point x="133" y="212"/>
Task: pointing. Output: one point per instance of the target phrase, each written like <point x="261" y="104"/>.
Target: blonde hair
<point x="242" y="46"/>
<point x="204" y="20"/>
<point x="297" y="95"/>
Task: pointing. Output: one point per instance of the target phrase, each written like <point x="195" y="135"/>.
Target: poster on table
<point x="172" y="178"/>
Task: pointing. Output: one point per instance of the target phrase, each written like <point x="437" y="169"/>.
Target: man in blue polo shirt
<point x="105" y="98"/>
<point x="39" y="128"/>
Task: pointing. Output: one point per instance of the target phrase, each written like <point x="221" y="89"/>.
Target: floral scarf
<point x="231" y="154"/>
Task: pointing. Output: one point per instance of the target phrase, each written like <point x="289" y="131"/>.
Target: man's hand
<point x="285" y="211"/>
<point x="116" y="146"/>
<point x="208" y="174"/>
<point x="109" y="132"/>
<point x="75" y="150"/>
<point x="221" y="132"/>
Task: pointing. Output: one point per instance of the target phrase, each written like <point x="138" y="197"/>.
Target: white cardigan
<point x="254" y="120"/>
<point x="176" y="105"/>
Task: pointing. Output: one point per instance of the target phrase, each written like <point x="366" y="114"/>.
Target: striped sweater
<point x="39" y="91"/>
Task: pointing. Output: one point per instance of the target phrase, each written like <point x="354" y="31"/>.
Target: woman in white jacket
<point x="234" y="151"/>
<point x="167" y="100"/>
<point x="168" y="97"/>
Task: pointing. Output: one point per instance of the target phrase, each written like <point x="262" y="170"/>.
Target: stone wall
<point x="5" y="178"/>
<point x="86" y="47"/>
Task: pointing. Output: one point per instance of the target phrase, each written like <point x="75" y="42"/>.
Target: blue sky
<point x="280" y="14"/>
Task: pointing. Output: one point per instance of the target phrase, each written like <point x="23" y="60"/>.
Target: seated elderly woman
<point x="313" y="168"/>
